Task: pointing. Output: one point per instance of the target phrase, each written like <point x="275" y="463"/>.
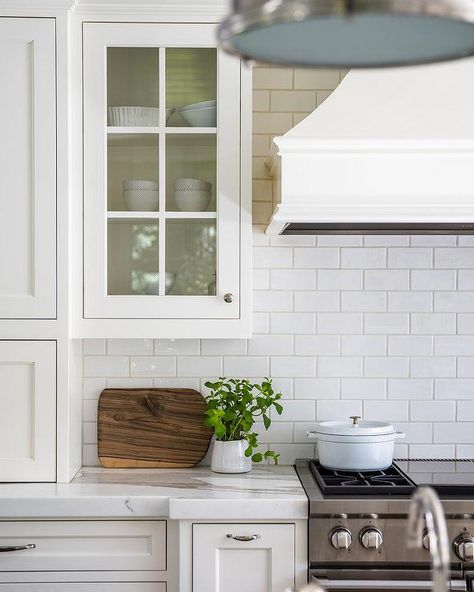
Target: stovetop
<point x="388" y="491"/>
<point x="391" y="481"/>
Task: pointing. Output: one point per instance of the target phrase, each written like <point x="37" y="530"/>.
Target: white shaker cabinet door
<point x="27" y="168"/>
<point x="27" y="411"/>
<point x="263" y="560"/>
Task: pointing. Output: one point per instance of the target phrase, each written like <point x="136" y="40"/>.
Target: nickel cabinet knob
<point x="228" y="297"/>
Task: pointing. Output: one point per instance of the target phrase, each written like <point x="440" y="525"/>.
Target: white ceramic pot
<point x="141" y="200"/>
<point x="355" y="445"/>
<point x="229" y="457"/>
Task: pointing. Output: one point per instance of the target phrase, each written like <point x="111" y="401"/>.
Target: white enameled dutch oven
<point x="355" y="445"/>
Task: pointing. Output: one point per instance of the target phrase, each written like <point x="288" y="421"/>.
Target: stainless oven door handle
<point x="412" y="585"/>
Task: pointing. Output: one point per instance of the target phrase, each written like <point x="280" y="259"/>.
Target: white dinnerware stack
<point x="140" y="195"/>
<point x="136" y="116"/>
<point x="202" y="114"/>
<point x="192" y="195"/>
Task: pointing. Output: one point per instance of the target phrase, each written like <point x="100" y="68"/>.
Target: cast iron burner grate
<point x="391" y="481"/>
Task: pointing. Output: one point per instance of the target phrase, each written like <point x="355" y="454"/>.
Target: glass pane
<point x="132" y="172"/>
<point x="132" y="253"/>
<point x="191" y="256"/>
<point x="191" y="172"/>
<point x="191" y="86"/>
<point x="133" y="86"/>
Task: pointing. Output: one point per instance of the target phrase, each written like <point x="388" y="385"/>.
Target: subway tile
<point x="260" y="322"/>
<point x="385" y="367"/>
<point x="89" y="410"/>
<point x="454" y="302"/>
<point x="320" y="78"/>
<point x="466" y="367"/>
<point x="432" y="410"/>
<point x="433" y="240"/>
<point x="261" y="101"/>
<point x="363" y="301"/>
<point x="453" y="388"/>
<point x="410" y="345"/>
<point x="268" y="345"/>
<point x="433" y="279"/>
<point x="466" y="324"/>
<point x="92" y="387"/>
<point x="292" y="366"/>
<point x="465" y="450"/>
<point x="293" y="279"/>
<point x="386" y="323"/>
<point x="465" y="279"/>
<point x="454" y="345"/>
<point x="316" y="388"/>
<point x="296" y="411"/>
<point x="272" y="123"/>
<point x="433" y="451"/>
<point x="337" y="410"/>
<point x="223" y="347"/>
<point x="174" y="382"/>
<point x="259" y="170"/>
<point x="386" y="410"/>
<point x="342" y="367"/>
<point x="300" y="431"/>
<point x="262" y="190"/>
<point x="409" y="388"/>
<point x="453" y="433"/>
<point x="290" y="452"/>
<point x="340" y="279"/>
<point x="261" y="212"/>
<point x="104" y="366"/>
<point x="386" y="279"/>
<point x="130" y="382"/>
<point x="432" y="367"/>
<point x="267" y="77"/>
<point x="272" y="301"/>
<point x="465" y="411"/>
<point x="259" y="238"/>
<point x="410" y="258"/>
<point x="340" y="240"/>
<point x="365" y="258"/>
<point x="320" y="301"/>
<point x="272" y="257"/>
<point x="339" y="322"/>
<point x="409" y="302"/>
<point x="386" y="240"/>
<point x="363" y="345"/>
<point x="432" y="323"/>
<point x="278" y="432"/>
<point x="293" y="100"/>
<point x="153" y="366"/>
<point x="317" y="345"/>
<point x="459" y="258"/>
<point x="293" y="240"/>
<point x="317" y="258"/>
<point x="94" y="347"/>
<point x="130" y="347"/>
<point x="261" y="144"/>
<point x="260" y="279"/>
<point x="363" y="388"/>
<point x="199" y="366"/>
<point x="416" y="433"/>
<point x="292" y="323"/>
<point x="246" y="366"/>
<point x="89" y="455"/>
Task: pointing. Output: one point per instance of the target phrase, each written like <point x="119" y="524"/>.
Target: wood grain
<point x="151" y="428"/>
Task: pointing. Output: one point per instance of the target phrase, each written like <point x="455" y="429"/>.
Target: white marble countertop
<point x="266" y="493"/>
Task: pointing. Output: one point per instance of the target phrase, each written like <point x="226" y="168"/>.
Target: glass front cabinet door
<point x="165" y="212"/>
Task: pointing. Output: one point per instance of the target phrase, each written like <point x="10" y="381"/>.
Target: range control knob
<point x="463" y="546"/>
<point x="425" y="541"/>
<point x="341" y="538"/>
<point x="371" y="538"/>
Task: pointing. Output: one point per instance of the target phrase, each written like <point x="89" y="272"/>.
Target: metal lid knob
<point x="371" y="538"/>
<point x="341" y="538"/>
<point x="228" y="297"/>
<point x="355" y="419"/>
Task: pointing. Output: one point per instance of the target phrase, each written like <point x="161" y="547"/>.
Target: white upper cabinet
<point x="27" y="168"/>
<point x="163" y="194"/>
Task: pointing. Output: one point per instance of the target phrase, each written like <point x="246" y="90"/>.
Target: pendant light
<point x="349" y="33"/>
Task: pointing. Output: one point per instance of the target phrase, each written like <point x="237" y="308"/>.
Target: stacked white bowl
<point x="192" y="195"/>
<point x="140" y="195"/>
<point x="202" y="114"/>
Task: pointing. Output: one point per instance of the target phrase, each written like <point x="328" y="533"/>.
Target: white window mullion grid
<point x="162" y="171"/>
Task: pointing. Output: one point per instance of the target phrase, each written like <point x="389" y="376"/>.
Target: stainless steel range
<point x="358" y="525"/>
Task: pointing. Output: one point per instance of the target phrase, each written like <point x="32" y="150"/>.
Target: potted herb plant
<point x="232" y="408"/>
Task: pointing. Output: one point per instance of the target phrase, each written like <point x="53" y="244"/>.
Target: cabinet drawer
<point x="85" y="545"/>
<point x="86" y="587"/>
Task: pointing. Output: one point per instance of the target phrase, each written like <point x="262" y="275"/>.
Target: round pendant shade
<point x="350" y="33"/>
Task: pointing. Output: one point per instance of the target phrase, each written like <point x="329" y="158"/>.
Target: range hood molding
<point x="415" y="169"/>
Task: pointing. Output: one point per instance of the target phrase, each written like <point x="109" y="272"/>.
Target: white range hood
<point x="390" y="151"/>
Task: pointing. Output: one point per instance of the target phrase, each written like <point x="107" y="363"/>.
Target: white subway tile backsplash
<point x="379" y="326"/>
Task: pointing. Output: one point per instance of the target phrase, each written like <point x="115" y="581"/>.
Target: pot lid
<point x="354" y="427"/>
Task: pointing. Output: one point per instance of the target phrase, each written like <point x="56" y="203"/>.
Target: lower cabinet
<point x="243" y="557"/>
<point x="28" y="411"/>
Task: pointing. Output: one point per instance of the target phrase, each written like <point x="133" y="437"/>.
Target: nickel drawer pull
<point x="10" y="548"/>
<point x="244" y="538"/>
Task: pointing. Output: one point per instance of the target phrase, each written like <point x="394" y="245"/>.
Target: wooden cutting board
<point x="151" y="428"/>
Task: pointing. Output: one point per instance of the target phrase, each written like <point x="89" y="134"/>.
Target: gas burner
<point x="391" y="481"/>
